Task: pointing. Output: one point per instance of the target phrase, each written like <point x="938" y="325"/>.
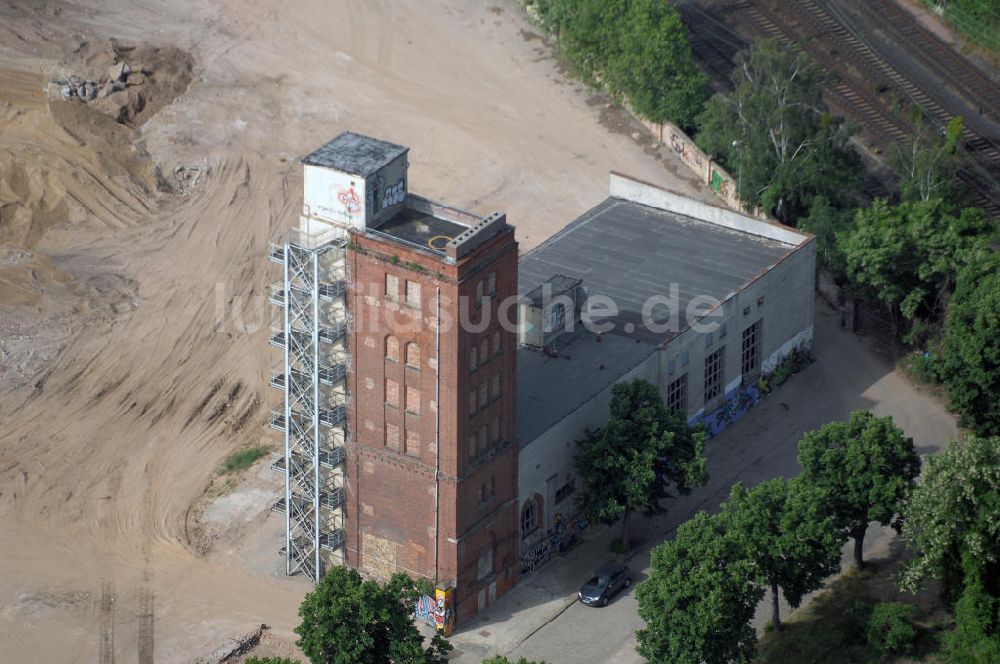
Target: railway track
<point x="830" y="34"/>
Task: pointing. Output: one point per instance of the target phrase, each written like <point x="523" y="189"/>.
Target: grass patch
<point x="832" y="628"/>
<point x="243" y="459"/>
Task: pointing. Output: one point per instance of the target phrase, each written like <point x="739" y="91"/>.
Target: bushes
<point x="889" y="630"/>
<point x="637" y="49"/>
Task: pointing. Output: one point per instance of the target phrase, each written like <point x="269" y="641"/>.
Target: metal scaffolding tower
<point x="312" y="333"/>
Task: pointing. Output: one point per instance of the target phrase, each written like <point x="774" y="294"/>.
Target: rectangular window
<point x="413" y="294"/>
<point x="481" y="441"/>
<point x="566" y="490"/>
<point x="496" y="343"/>
<point x="495" y="430"/>
<point x="392" y="392"/>
<point x="392" y="436"/>
<point x="484" y="397"/>
<point x="472" y="446"/>
<point x="392" y="287"/>
<point x="412" y="400"/>
<point x="473" y="403"/>
<point x="750" y="357"/>
<point x="413" y="442"/>
<point x="479" y="294"/>
<point x="677" y="395"/>
<point x="495" y="387"/>
<point x="715" y="370"/>
<point x="491" y="284"/>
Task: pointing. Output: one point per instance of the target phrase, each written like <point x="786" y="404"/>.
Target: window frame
<point x="677" y="395"/>
<point x="715" y="375"/>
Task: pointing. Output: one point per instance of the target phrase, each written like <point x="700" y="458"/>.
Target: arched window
<point x="473" y="359"/>
<point x="529" y="517"/>
<point x="392" y="348"/>
<point x="496" y="342"/>
<point x="413" y="355"/>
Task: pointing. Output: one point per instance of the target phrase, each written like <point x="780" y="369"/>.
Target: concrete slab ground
<point x="541" y="619"/>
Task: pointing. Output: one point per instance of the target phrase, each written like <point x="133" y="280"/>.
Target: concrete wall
<point x="334" y="196"/>
<point x="545" y="464"/>
<point x="385" y="191"/>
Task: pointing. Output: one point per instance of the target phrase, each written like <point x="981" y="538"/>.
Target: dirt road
<point x="133" y="316"/>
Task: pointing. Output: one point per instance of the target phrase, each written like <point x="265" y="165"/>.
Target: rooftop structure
<point x="355" y="154"/>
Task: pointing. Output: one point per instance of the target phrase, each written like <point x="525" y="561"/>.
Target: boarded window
<point x="392" y="392"/>
<point x="392" y="287"/>
<point x="392" y="436"/>
<point x="479" y="294"/>
<point x="495" y="387"/>
<point x="413" y="294"/>
<point x="481" y="445"/>
<point x="484" y="351"/>
<point x="496" y="343"/>
<point x="491" y="283"/>
<point x="412" y="400"/>
<point x="473" y="359"/>
<point x="392" y="349"/>
<point x="413" y="355"/>
<point x="484" y="396"/>
<point x="495" y="430"/>
<point x="473" y="403"/>
<point x="413" y="442"/>
<point x="485" y="566"/>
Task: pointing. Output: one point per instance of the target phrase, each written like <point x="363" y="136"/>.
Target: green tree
<point x="907" y="256"/>
<point x="700" y="596"/>
<point x="347" y="620"/>
<point x="784" y="528"/>
<point x="953" y="516"/>
<point x="827" y="221"/>
<point x="970" y="367"/>
<point x="927" y="166"/>
<point x="775" y="134"/>
<point x="866" y="468"/>
<point x="653" y="67"/>
<point x="590" y="36"/>
<point x="641" y="453"/>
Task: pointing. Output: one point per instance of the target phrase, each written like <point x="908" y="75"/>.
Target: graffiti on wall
<point x="425" y="609"/>
<point x="559" y="538"/>
<point x="394" y="195"/>
<point x="682" y="146"/>
<point x="444" y="613"/>
<point x="350" y="201"/>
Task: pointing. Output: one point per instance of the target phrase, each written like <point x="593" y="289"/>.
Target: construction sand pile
<point x="134" y="224"/>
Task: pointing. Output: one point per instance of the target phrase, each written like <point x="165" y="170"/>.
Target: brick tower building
<point x="430" y="470"/>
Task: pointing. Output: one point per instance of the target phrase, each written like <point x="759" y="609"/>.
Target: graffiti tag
<point x="350" y="200"/>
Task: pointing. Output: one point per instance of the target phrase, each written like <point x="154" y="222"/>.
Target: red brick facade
<point x="407" y="416"/>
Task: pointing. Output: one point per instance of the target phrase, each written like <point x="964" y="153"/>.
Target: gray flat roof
<point x="355" y="154"/>
<point x="631" y="252"/>
<point x="422" y="229"/>
<point x="550" y="388"/>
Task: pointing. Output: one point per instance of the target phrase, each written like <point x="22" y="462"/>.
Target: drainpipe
<point x="437" y="429"/>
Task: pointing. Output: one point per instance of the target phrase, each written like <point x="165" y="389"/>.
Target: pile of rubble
<point x="120" y="76"/>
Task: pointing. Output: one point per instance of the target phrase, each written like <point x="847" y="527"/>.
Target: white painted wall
<point x="333" y="196"/>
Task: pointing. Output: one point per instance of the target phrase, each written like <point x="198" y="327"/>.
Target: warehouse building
<point x="435" y="385"/>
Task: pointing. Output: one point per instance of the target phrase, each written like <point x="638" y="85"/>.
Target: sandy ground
<point x="133" y="315"/>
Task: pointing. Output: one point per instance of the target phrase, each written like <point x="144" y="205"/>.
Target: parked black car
<point x="607" y="581"/>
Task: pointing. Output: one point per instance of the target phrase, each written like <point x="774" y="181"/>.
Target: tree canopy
<point x="637" y="49"/>
<point x="866" y="468"/>
<point x="954" y="514"/>
<point x="641" y="454"/>
<point x="970" y="368"/>
<point x="928" y="164"/>
<point x="784" y="528"/>
<point x="700" y="596"/>
<point x="347" y="620"/>
<point x="774" y="133"/>
<point x="907" y="256"/>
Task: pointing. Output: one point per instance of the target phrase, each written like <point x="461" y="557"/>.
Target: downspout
<point x="437" y="429"/>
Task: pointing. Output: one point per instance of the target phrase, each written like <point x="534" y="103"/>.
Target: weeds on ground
<point x="242" y="459"/>
<point x="833" y="628"/>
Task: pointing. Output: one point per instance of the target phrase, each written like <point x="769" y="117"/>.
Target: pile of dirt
<point x="131" y="82"/>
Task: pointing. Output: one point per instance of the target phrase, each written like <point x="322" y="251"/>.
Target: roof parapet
<point x="643" y="193"/>
<point x="485" y="229"/>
